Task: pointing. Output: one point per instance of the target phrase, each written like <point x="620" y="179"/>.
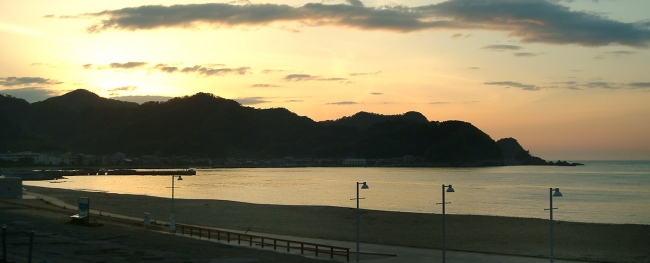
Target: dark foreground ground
<point x="489" y="234"/>
<point x="56" y="240"/>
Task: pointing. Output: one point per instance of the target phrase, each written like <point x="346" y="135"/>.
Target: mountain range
<point x="205" y="125"/>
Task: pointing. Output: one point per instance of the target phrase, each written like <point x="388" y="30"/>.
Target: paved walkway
<point x="370" y="253"/>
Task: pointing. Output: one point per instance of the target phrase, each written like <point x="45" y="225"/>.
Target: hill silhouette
<point x="211" y="126"/>
<point x="514" y="154"/>
<point x="364" y="120"/>
<point x="81" y="99"/>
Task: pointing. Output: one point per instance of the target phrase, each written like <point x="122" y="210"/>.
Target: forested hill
<point x="207" y="125"/>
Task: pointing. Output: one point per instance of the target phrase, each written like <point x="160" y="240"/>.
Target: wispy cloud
<point x="205" y="70"/>
<point x="343" y="103"/>
<point x="251" y="100"/>
<point x="216" y="71"/>
<point x="551" y="22"/>
<point x="306" y="77"/>
<point x="364" y="73"/>
<point x="502" y="47"/>
<point x="514" y="84"/>
<point x="602" y="85"/>
<point x="376" y="93"/>
<point x="639" y="85"/>
<point x="354" y="2"/>
<point x="125" y="88"/>
<point x="526" y="54"/>
<point x="573" y="85"/>
<point x="269" y="71"/>
<point x="264" y="86"/>
<point x="128" y="65"/>
<point x="27" y="81"/>
<point x="461" y="35"/>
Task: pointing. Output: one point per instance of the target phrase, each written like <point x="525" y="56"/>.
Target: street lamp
<point x="451" y="190"/>
<point x="551" y="195"/>
<point x="172" y="218"/>
<point x="363" y="186"/>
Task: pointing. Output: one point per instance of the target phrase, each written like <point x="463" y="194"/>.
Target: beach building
<point x="11" y="187"/>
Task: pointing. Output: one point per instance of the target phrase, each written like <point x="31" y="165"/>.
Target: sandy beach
<point x="501" y="235"/>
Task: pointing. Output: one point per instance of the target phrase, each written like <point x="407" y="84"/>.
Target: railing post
<point x="31" y="247"/>
<point x="275" y="244"/>
<point x="347" y="255"/>
<point x="302" y="248"/>
<point x="288" y="245"/>
<point x="208" y="233"/>
<point x="316" y="250"/>
<point x="250" y="240"/>
<point x="262" y="242"/>
<point x="239" y="239"/>
<point x="331" y="252"/>
<point x="199" y="233"/>
<point x="4" y="243"/>
<point x="228" y="235"/>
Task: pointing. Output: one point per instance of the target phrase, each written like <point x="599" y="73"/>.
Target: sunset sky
<point x="568" y="79"/>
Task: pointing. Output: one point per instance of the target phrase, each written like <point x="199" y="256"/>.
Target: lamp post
<point x="363" y="186"/>
<point x="551" y="195"/>
<point x="172" y="218"/>
<point x="451" y="190"/>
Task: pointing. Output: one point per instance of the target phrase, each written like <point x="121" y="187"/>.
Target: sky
<point x="569" y="79"/>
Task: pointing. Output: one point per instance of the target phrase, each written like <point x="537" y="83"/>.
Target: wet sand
<point x="502" y="235"/>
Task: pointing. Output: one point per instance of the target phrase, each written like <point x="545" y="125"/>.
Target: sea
<point x="616" y="192"/>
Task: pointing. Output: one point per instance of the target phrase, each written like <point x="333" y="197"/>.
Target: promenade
<point x="372" y="253"/>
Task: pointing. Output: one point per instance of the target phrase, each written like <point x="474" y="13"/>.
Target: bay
<point x="600" y="191"/>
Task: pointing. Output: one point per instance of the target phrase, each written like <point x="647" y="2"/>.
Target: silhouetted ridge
<point x="82" y="99"/>
<point x="511" y="148"/>
<point x="205" y="125"/>
<point x="515" y="154"/>
<point x="364" y="120"/>
<point x="12" y="112"/>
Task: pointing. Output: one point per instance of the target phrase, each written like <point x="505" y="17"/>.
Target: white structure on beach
<point x="11" y="188"/>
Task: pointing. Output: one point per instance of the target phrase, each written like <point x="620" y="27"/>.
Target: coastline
<point x="490" y="234"/>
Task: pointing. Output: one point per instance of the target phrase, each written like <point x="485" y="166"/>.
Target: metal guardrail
<point x="264" y="241"/>
<point x="232" y="236"/>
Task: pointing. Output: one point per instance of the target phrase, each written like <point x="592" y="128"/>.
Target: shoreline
<point x="488" y="234"/>
<point x="92" y="169"/>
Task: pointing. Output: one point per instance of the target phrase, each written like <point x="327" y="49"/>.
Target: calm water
<point x="602" y="191"/>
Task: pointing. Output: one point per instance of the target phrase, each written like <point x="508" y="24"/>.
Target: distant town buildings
<point x="120" y="159"/>
<point x="63" y="159"/>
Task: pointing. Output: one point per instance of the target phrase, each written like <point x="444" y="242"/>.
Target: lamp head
<point x="180" y="178"/>
<point x="364" y="186"/>
<point x="557" y="192"/>
<point x="450" y="189"/>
